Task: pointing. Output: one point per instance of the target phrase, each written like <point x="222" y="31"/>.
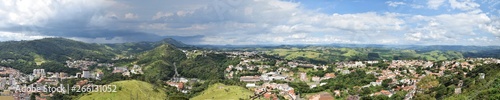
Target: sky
<point x="255" y="22"/>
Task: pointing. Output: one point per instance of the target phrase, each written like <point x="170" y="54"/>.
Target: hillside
<point x="318" y="54"/>
<point x="127" y="90"/>
<point x="56" y="49"/>
<point x="220" y="91"/>
<point x="28" y="55"/>
<point x="138" y="47"/>
<point x="158" y="63"/>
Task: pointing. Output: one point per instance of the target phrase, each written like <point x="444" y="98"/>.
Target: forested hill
<point x="53" y="49"/>
<point x="138" y="47"/>
<point x="159" y="64"/>
<point x="27" y="55"/>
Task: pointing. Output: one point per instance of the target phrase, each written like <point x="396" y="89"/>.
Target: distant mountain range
<point x="61" y="49"/>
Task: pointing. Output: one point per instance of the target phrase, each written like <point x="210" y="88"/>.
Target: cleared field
<point x="224" y="92"/>
<point x="127" y="90"/>
<point x="38" y="59"/>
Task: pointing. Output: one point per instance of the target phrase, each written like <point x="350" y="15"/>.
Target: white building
<point x="38" y="72"/>
<point x="250" y="85"/>
<point x="86" y="74"/>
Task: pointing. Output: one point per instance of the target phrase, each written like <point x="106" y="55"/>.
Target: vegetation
<point x="321" y="55"/>
<point x="128" y="90"/>
<point x="221" y="91"/>
<point x="160" y="59"/>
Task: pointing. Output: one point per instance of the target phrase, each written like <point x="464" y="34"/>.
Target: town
<point x="268" y="78"/>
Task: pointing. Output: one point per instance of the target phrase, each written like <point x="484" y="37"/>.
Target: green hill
<point x="127" y="90"/>
<point x="224" y="92"/>
<point x="28" y="55"/>
<point x="158" y="63"/>
<point x="137" y="47"/>
<point x="56" y="49"/>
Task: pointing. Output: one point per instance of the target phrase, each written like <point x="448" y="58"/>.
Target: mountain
<point x="56" y="49"/>
<point x="158" y="62"/>
<point x="175" y="43"/>
<point x="138" y="47"/>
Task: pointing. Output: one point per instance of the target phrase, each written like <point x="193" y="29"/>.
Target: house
<point x="321" y="84"/>
<point x="322" y="96"/>
<point x="39" y="72"/>
<point x="86" y="74"/>
<point x="277" y="77"/>
<point x="329" y="75"/>
<point x="385" y="92"/>
<point x="136" y="69"/>
<point x="458" y="90"/>
<point x="178" y="85"/>
<point x="303" y="77"/>
<point x="250" y="85"/>
<point x="337" y="93"/>
<point x="238" y="68"/>
<point x="481" y="75"/>
<point x="345" y="72"/>
<point x="249" y="78"/>
<point x="313" y="86"/>
<point x="316" y="79"/>
<point x="382" y="92"/>
<point x="119" y="69"/>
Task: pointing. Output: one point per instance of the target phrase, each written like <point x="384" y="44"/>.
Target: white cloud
<point x="448" y="28"/>
<point x="394" y="3"/>
<point x="492" y="27"/>
<point x="249" y="22"/>
<point x="40" y="12"/>
<point x="464" y="5"/>
<point x="131" y="16"/>
<point x="162" y="15"/>
<point x="10" y="36"/>
<point x="434" y="4"/>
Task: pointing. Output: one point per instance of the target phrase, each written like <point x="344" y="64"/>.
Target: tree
<point x="428" y="82"/>
<point x="385" y="83"/>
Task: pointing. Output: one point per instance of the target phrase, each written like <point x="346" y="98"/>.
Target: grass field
<point x="38" y="59"/>
<point x="224" y="92"/>
<point x="127" y="90"/>
<point x="6" y="98"/>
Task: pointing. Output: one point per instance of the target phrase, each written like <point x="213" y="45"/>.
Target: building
<point x="250" y="85"/>
<point x="120" y="69"/>
<point x="481" y="75"/>
<point x="322" y="96"/>
<point x="39" y="72"/>
<point x="99" y="75"/>
<point x="345" y="72"/>
<point x="249" y="78"/>
<point x="86" y="74"/>
<point x="316" y="79"/>
<point x="303" y="77"/>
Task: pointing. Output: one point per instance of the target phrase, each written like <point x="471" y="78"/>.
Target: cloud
<point x="449" y="28"/>
<point x="10" y="36"/>
<point x="131" y="16"/>
<point x="247" y="22"/>
<point x="394" y="3"/>
<point x="465" y="5"/>
<point x="434" y="4"/>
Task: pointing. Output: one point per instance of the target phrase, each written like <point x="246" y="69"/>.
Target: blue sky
<point x="244" y="22"/>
